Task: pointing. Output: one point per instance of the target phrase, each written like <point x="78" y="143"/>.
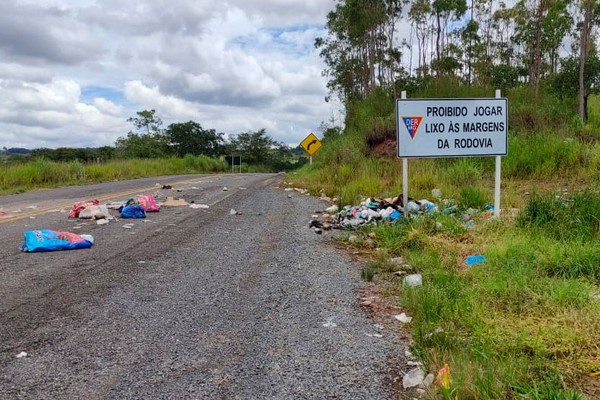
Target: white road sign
<point x="452" y="127"/>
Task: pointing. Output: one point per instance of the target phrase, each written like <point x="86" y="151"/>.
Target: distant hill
<point x="15" y="151"/>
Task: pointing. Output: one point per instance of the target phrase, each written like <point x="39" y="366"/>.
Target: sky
<point x="73" y="71"/>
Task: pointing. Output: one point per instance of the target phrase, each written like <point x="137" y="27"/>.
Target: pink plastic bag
<point x="147" y="201"/>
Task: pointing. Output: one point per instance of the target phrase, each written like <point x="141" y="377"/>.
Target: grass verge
<point x="43" y="173"/>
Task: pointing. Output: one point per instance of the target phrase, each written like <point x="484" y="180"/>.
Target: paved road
<point x="187" y="304"/>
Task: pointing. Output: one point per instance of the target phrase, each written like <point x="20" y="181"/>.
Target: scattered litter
<point x="172" y="202"/>
<point x="413" y="280"/>
<point x="81" y="205"/>
<point x="375" y="335"/>
<point x="128" y="226"/>
<point x="95" y="212"/>
<point x="201" y="206"/>
<point x="318" y="231"/>
<point x="289" y="196"/>
<point x="21" y="354"/>
<point x="443" y="377"/>
<point x="141" y="262"/>
<point x="329" y="323"/>
<point x="233" y="212"/>
<point x="332" y="210"/>
<point x="436" y="193"/>
<point x="195" y="188"/>
<point x="405" y="319"/>
<point x="133" y="211"/>
<point x="438" y="330"/>
<point x="289" y="189"/>
<point x="147" y="201"/>
<point x="49" y="240"/>
<point x="225" y="189"/>
<point x="101" y="221"/>
<point x="243" y="188"/>
<point x="32" y="207"/>
<point x="2" y="213"/>
<point x="477" y="259"/>
<point x="413" y="378"/>
<point x="167" y="187"/>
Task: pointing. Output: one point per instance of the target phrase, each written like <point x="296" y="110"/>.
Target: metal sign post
<point x="404" y="176"/>
<point x="498" y="176"/>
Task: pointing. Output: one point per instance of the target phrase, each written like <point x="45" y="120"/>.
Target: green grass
<point x="43" y="173"/>
<point x="524" y="324"/>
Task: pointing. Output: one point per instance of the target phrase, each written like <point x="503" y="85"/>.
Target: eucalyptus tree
<point x="591" y="18"/>
<point x="444" y="11"/>
<point x="418" y="15"/>
<point x="359" y="51"/>
<point x="541" y="27"/>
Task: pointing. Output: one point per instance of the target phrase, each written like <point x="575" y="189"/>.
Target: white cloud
<point x="72" y="72"/>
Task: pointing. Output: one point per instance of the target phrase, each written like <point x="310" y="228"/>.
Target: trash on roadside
<point x="225" y="189"/>
<point x="234" y="212"/>
<point x="413" y="280"/>
<point x="95" y="212"/>
<point x="332" y="210"/>
<point x="21" y="354"/>
<point x="200" y="206"/>
<point x="173" y="202"/>
<point x="133" y="211"/>
<point x="413" y="378"/>
<point x="405" y="319"/>
<point x="443" y="377"/>
<point x="477" y="259"/>
<point x="147" y="201"/>
<point x="81" y="205"/>
<point x="101" y="221"/>
<point x="318" y="231"/>
<point x="128" y="226"/>
<point x="50" y="240"/>
<point x="329" y="323"/>
<point x="167" y="187"/>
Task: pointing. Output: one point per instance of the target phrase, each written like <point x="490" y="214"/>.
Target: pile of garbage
<point x="374" y="210"/>
<point x="42" y="240"/>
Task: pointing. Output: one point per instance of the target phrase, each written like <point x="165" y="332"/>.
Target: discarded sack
<point x="95" y="212"/>
<point x="147" y="201"/>
<point x="49" y="240"/>
<point x="133" y="211"/>
<point x="81" y="205"/>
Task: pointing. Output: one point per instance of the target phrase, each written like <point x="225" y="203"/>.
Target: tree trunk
<point x="584" y="46"/>
<point x="536" y="62"/>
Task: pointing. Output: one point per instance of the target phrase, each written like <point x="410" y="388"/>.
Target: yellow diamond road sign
<point x="311" y="144"/>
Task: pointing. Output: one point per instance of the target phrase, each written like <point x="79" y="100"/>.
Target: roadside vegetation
<point x="148" y="150"/>
<point x="522" y="324"/>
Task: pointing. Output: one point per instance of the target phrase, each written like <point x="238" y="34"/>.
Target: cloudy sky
<point x="73" y="71"/>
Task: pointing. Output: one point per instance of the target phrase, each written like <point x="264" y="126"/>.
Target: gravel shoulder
<point x="193" y="304"/>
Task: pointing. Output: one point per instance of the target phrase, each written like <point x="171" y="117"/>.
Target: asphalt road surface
<point x="187" y="303"/>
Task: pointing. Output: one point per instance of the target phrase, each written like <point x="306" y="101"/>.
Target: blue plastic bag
<point x="49" y="240"/>
<point x="133" y="211"/>
<point x="472" y="260"/>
